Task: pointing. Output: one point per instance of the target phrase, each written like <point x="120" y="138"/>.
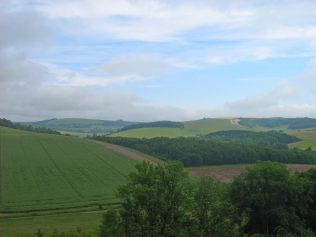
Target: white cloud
<point x="24" y="28"/>
<point x="265" y="100"/>
<point x="143" y="20"/>
<point x="32" y="89"/>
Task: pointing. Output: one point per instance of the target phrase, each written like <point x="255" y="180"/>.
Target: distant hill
<point x="179" y="129"/>
<point x="82" y="126"/>
<point x="273" y="123"/>
<point x="158" y="124"/>
<point x="39" y="129"/>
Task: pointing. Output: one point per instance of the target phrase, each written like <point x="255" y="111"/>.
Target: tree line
<point x="197" y="151"/>
<point x="274" y="139"/>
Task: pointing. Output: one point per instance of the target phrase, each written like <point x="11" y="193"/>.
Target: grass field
<point x="204" y="126"/>
<point x="209" y="125"/>
<point x="154" y="132"/>
<point x="191" y="128"/>
<point x="42" y="171"/>
<point x="308" y="138"/>
<point x="28" y="226"/>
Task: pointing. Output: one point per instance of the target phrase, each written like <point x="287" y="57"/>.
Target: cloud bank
<point x="97" y="59"/>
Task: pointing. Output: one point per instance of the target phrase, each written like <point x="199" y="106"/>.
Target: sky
<point x="149" y="60"/>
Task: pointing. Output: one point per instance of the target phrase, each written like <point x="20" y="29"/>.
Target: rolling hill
<point x="189" y="128"/>
<point x="82" y="127"/>
<point x="43" y="171"/>
<point x="303" y="128"/>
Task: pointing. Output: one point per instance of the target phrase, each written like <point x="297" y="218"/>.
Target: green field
<point x="191" y="128"/>
<point x="308" y="138"/>
<point x="42" y="171"/>
<point x="154" y="132"/>
<point x="81" y="127"/>
<point x="28" y="226"/>
<point x="209" y="125"/>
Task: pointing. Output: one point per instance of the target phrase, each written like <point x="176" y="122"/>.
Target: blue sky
<point x="152" y="60"/>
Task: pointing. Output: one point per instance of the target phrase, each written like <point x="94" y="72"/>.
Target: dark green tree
<point x="153" y="200"/>
<point x="111" y="224"/>
<point x="273" y="199"/>
<point x="216" y="216"/>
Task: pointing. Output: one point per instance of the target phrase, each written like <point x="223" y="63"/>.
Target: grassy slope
<point x="79" y="126"/>
<point x="204" y="126"/>
<point x="154" y="132"/>
<point x="41" y="171"/>
<point x="308" y="138"/>
<point x="191" y="128"/>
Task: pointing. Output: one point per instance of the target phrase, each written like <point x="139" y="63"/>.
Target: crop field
<point x="42" y="171"/>
<point x="70" y="222"/>
<point x="204" y="126"/>
<point x="154" y="132"/>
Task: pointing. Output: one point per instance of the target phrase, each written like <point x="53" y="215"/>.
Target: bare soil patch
<point x="228" y="173"/>
<point x="129" y="153"/>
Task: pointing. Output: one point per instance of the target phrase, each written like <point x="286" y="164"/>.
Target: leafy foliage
<point x="269" y="139"/>
<point x="196" y="152"/>
<point x="273" y="199"/>
<point x="161" y="201"/>
<point x="264" y="201"/>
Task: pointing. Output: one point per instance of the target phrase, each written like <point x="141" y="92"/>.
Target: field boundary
<point x="59" y="211"/>
<point x="128" y="152"/>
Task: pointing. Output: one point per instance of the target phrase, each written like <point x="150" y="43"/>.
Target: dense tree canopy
<point x="273" y="199"/>
<point x="161" y="201"/>
<point x="266" y="200"/>
<point x="196" y="151"/>
<point x="273" y="139"/>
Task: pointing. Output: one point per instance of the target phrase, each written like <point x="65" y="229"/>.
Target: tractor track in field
<point x="126" y="152"/>
<point x="129" y="153"/>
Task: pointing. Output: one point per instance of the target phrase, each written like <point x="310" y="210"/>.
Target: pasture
<point x="42" y="171"/>
<point x="191" y="128"/>
<point x="154" y="132"/>
<point x="308" y="138"/>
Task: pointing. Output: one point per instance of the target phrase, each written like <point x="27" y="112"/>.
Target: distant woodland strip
<point x="198" y="151"/>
